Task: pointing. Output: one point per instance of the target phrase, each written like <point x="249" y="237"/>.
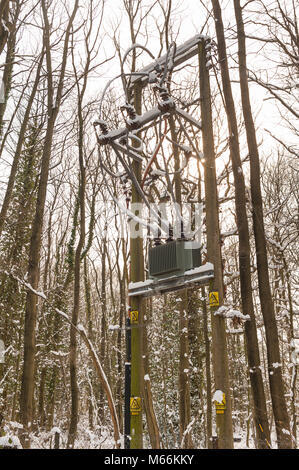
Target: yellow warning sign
<point x="135" y="405"/>
<point x="134" y="316"/>
<point x="214" y="299"/>
<point x="220" y="405"/>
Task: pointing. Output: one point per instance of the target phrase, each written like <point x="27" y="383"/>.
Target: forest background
<point x="64" y="265"/>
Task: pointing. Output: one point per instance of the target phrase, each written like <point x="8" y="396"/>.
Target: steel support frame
<point x="118" y="139"/>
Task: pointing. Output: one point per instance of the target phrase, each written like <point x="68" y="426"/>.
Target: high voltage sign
<point x="220" y="406"/>
<point x="214" y="299"/>
<point x="134" y="316"/>
<point x="135" y="405"/>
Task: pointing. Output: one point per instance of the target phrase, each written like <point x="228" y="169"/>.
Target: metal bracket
<point x="151" y="287"/>
<point x="183" y="52"/>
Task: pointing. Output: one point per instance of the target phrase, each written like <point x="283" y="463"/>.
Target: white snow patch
<point x="62" y="313"/>
<point x="229" y="312"/>
<point x="218" y="396"/>
<point x="200" y="269"/>
<point x="10" y="441"/>
<point x="234" y="330"/>
<point x="286" y="431"/>
<point x="55" y="430"/>
<point x="136" y="285"/>
<point x="59" y="353"/>
<point x="16" y="425"/>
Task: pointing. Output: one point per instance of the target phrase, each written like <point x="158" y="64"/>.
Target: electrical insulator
<point x="132" y="122"/>
<point x="166" y="103"/>
<point x="102" y="124"/>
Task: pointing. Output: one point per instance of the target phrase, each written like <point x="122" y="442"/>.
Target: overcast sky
<point x="188" y="19"/>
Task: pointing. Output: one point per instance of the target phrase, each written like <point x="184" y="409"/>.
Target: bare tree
<point x="278" y="35"/>
<point x="275" y="375"/>
<point x="5" y="24"/>
<point x="19" y="146"/>
<point x="219" y="342"/>
<point x="53" y="105"/>
<point x="261" y="422"/>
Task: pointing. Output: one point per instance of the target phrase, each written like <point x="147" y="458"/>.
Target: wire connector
<point x="102" y="139"/>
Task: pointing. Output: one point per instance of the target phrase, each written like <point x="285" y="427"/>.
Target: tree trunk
<point x="75" y="316"/>
<point x="152" y="424"/>
<point x="27" y="388"/>
<point x="258" y="395"/>
<point x="10" y="56"/>
<point x="77" y="282"/>
<point x="184" y="383"/>
<point x="219" y="345"/>
<point x="103" y="321"/>
<point x="4" y="14"/>
<point x="90" y="335"/>
<point x="208" y="371"/>
<point x="21" y="136"/>
<point x="284" y="439"/>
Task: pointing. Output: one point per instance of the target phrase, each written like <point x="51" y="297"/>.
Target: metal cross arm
<point x="146" y="118"/>
<point x="139" y="122"/>
<point x="184" y="52"/>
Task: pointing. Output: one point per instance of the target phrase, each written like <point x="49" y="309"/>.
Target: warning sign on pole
<point x="214" y="299"/>
<point x="134" y="316"/>
<point x="135" y="405"/>
<point x="220" y="405"/>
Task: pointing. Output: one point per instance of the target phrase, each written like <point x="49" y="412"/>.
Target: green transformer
<point x="172" y="259"/>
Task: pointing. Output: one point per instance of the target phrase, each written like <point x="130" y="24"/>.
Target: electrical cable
<point x="121" y="75"/>
<point x="154" y="155"/>
<point x="166" y="67"/>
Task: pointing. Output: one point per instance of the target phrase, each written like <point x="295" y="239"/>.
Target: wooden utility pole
<point x="136" y="304"/>
<point x="219" y="344"/>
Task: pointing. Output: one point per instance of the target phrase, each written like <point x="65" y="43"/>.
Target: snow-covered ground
<point x="98" y="438"/>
